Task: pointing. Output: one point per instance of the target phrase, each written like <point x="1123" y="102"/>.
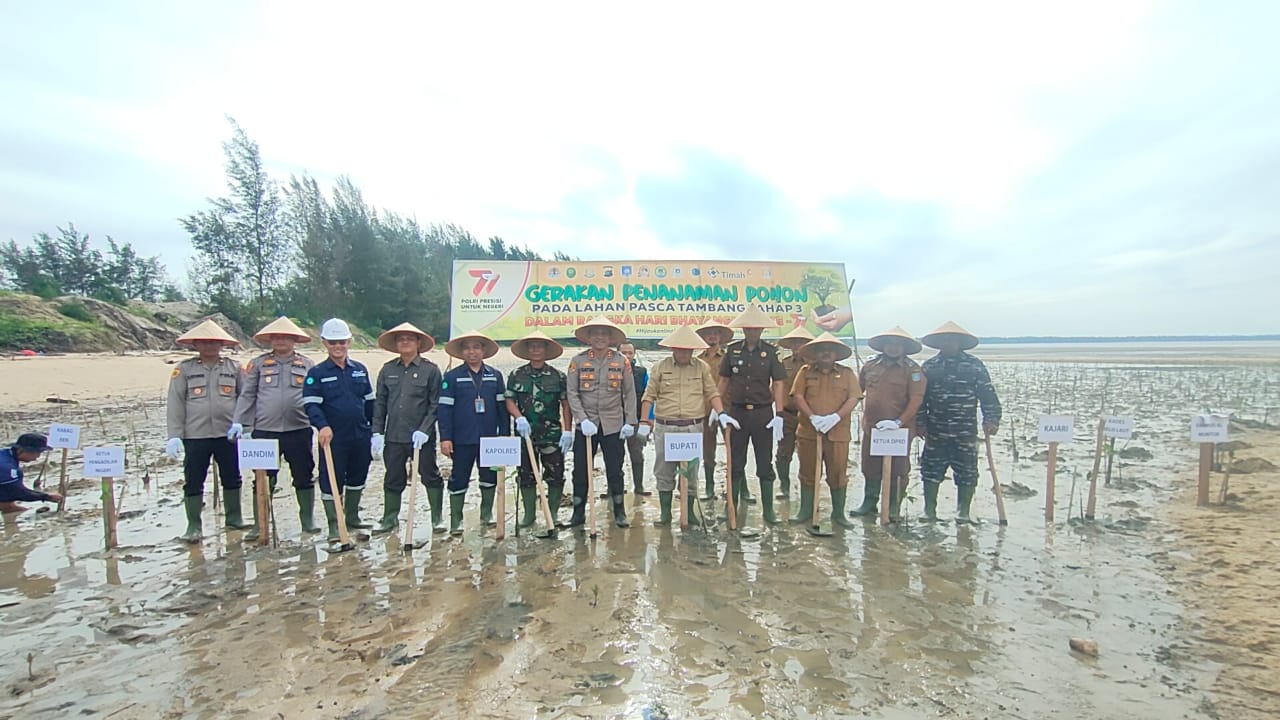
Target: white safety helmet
<point x="335" y="329"/>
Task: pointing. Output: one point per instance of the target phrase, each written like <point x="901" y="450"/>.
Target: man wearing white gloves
<point x="202" y="401"/>
<point x="404" y="422"/>
<point x="602" y="396"/>
<point x="537" y="397"/>
<point x="825" y="394"/>
<point x="894" y="385"/>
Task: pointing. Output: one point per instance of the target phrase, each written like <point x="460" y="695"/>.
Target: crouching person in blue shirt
<point x="28" y="448"/>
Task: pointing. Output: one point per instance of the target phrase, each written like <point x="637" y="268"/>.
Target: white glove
<point x="889" y="425"/>
<point x="627" y="431"/>
<point x="522" y="427"/>
<point x="235" y="431"/>
<point x="376" y="444"/>
<point x="173" y="447"/>
<point x="643" y="432"/>
<point x="566" y="442"/>
<point x="828" y="422"/>
<point x="816" y="421"/>
<point x="588" y="428"/>
<point x="726" y="420"/>
<point x="776" y="426"/>
<point x="419" y="439"/>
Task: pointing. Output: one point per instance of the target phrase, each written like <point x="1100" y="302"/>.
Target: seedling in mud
<point x="595" y="595"/>
<point x="31" y="657"/>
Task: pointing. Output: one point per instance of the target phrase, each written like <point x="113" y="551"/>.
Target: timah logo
<point x="485" y="281"/>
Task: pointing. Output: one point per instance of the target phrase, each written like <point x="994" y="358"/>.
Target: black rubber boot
<point x="766" y="502"/>
<point x="487" y="495"/>
<point x="709" y="476"/>
<point x="783" y="468"/>
<point x="620" y="512"/>
<point x="455" y="512"/>
<point x="637" y="478"/>
<point x="579" y="516"/>
<point x="870" y="501"/>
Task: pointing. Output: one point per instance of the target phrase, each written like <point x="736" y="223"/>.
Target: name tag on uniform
<point x="358" y="373"/>
<point x="328" y="379"/>
<point x="479" y="406"/>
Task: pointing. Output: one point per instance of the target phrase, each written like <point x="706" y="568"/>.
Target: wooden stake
<point x="413" y="498"/>
<point x="262" y="498"/>
<point x="1050" y="473"/>
<point x="591" y="491"/>
<point x="886" y="478"/>
<point x="62" y="481"/>
<point x="1097" y="466"/>
<point x="816" y="527"/>
<point x="109" y="511"/>
<point x="1226" y="477"/>
<point x="728" y="473"/>
<point x="1206" y="468"/>
<point x="1111" y="453"/>
<point x="995" y="484"/>
<point x="684" y="495"/>
<point x="217" y="484"/>
<point x="501" y="510"/>
<point x="542" y="491"/>
<point x="344" y="540"/>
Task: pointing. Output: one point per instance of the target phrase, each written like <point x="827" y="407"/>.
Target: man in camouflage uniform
<point x="791" y="342"/>
<point x="894" y="386"/>
<point x="957" y="383"/>
<point x="537" y="397"/>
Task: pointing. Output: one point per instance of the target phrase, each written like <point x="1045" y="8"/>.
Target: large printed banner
<point x="646" y="298"/>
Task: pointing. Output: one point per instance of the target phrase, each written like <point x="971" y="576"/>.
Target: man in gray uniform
<point x="404" y="422"/>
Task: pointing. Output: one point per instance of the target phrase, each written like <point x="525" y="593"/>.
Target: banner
<point x="507" y="300"/>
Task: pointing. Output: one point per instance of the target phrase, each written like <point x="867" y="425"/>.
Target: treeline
<point x="68" y="264"/>
<point x="268" y="248"/>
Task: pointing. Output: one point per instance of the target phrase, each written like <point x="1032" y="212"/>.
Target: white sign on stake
<point x="103" y="462"/>
<point x="259" y="454"/>
<point x="1118" y="426"/>
<point x="1209" y="428"/>
<point x="681" y="447"/>
<point x="1056" y="428"/>
<point x="64" y="436"/>
<point x="895" y="443"/>
<point x="498" y="452"/>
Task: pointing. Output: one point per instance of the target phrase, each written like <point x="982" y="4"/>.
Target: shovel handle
<point x="343" y="538"/>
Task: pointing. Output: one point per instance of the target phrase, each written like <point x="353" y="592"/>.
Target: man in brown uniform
<point x="792" y="363"/>
<point x="826" y="394"/>
<point x="752" y="379"/>
<point x="716" y="336"/>
<point x="894" y="385"/>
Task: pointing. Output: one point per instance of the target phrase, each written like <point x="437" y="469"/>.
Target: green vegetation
<point x="76" y="310"/>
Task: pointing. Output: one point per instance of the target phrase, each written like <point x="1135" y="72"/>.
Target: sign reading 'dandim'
<point x="64" y="436"/>
<point x="894" y="443"/>
<point x="1209" y="428"/>
<point x="1118" y="426"/>
<point x="103" y="462"/>
<point x="681" y="447"/>
<point x="259" y="454"/>
<point x="499" y="452"/>
<point x="1056" y="428"/>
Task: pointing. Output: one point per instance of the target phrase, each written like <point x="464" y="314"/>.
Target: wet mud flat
<point x="922" y="620"/>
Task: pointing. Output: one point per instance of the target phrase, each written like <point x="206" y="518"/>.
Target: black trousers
<point x="613" y="448"/>
<point x="761" y="438"/>
<point x="550" y="459"/>
<point x="295" y="447"/>
<point x="195" y="463"/>
<point x="395" y="456"/>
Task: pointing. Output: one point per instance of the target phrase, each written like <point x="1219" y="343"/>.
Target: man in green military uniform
<point x="537" y="397"/>
<point x="792" y="362"/>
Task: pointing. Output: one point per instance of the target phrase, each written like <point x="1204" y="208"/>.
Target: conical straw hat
<point x="967" y="339"/>
<point x="454" y="346"/>
<point x="519" y="347"/>
<point x="281" y="326"/>
<point x="387" y="340"/>
<point x="753" y="317"/>
<point x="616" y="336"/>
<point x="683" y="338"/>
<point x="723" y="333"/>
<point x="826" y="340"/>
<point x="911" y="345"/>
<point x="207" y="330"/>
<point x="795" y="338"/>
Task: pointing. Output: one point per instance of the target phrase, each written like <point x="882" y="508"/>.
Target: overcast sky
<point x="1022" y="168"/>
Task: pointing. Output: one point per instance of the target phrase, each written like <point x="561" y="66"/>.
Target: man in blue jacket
<point x="29" y="447"/>
<point x="472" y="406"/>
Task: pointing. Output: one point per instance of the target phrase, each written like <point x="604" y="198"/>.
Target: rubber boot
<point x="664" y="501"/>
<point x="252" y="534"/>
<point x="805" y="517"/>
<point x="554" y="494"/>
<point x="331" y="514"/>
<point x="691" y="511"/>
<point x="964" y="496"/>
<point x="766" y="502"/>
<point x="307" y="509"/>
<point x="897" y="492"/>
<point x="435" y="498"/>
<point x="620" y="512"/>
<point x="709" y="476"/>
<point x="744" y="493"/>
<point x="931" y="501"/>
<point x="234" y="515"/>
<point x="838" y="498"/>
<point x="637" y="478"/>
<point x="486" y="505"/>
<point x="579" y="516"/>
<point x="784" y="478"/>
<point x="529" y="502"/>
<point x="351" y="504"/>
<point x="870" y="501"/>
<point x="456" y="501"/>
<point x="193" y="504"/>
<point x="390" y="513"/>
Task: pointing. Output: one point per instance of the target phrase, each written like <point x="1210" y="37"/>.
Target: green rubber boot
<point x="455" y="512"/>
<point x="931" y="501"/>
<point x="390" y="513"/>
<point x="691" y="511"/>
<point x="486" y="505"/>
<point x="235" y="517"/>
<point x="553" y="503"/>
<point x="331" y="514"/>
<point x="435" y="498"/>
<point x="870" y="501"/>
<point x="193" y="504"/>
<point x="806" y="507"/>
<point x="964" y="496"/>
<point x="307" y="509"/>
<point x="351" y="504"/>
<point x="709" y="476"/>
<point x="664" y="502"/>
<point x="784" y="479"/>
<point x="838" y="498"/>
<point x="766" y="502"/>
<point x="529" y="503"/>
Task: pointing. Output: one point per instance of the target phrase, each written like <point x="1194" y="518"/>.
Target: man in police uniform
<point x="957" y="383"/>
<point x="825" y="394"/>
<point x="680" y="388"/>
<point x="339" y="397"/>
<point x="29" y="447"/>
<point x="894" y="387"/>
<point x="472" y="405"/>
<point x="635" y="443"/>
<point x="792" y="363"/>
<point x="271" y="404"/>
<point x="752" y="379"/>
<point x="201" y="404"/>
<point x="404" y="422"/>
<point x="716" y="336"/>
<point x="537" y="396"/>
<point x="602" y="396"/>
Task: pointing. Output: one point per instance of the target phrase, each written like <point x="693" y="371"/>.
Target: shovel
<point x="550" y="532"/>
<point x="816" y="528"/>
<point x="344" y="540"/>
<point x="728" y="472"/>
<point x="591" y="495"/>
<point x="409" y="545"/>
<point x="995" y="484"/>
